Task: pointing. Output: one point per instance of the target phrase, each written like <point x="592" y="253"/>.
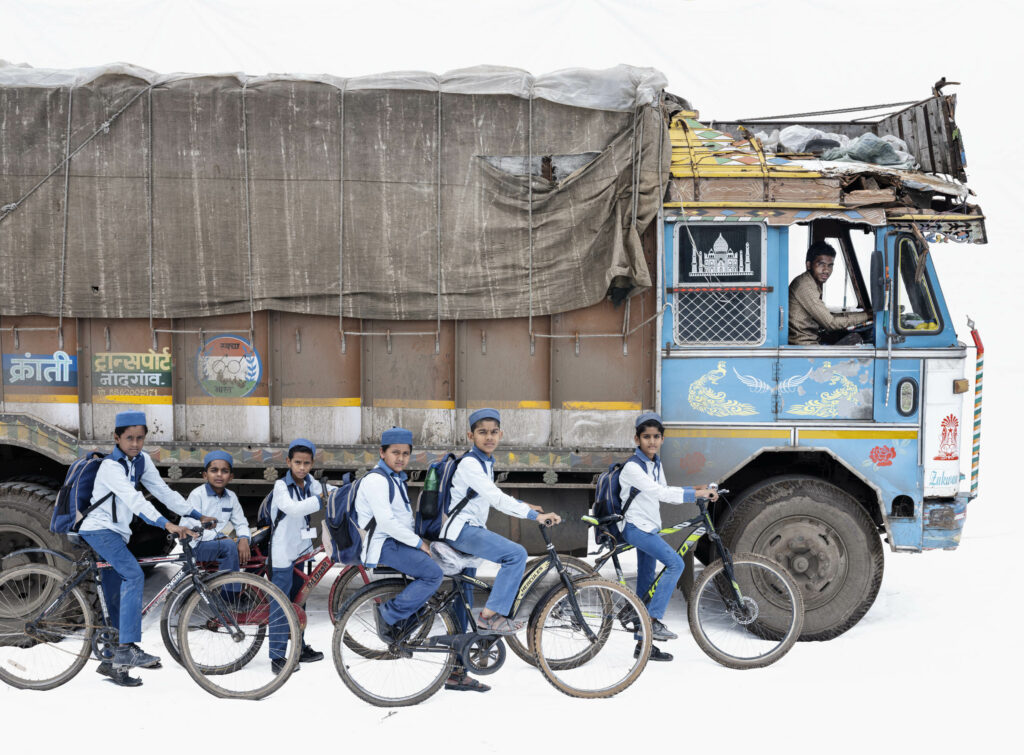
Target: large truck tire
<point x="25" y="510"/>
<point x="823" y="537"/>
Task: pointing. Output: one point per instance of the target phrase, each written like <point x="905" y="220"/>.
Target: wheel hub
<point x="812" y="552"/>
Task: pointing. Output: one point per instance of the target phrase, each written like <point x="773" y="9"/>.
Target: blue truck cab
<point x="831" y="451"/>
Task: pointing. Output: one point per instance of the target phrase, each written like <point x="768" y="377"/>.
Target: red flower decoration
<point x="882" y="456"/>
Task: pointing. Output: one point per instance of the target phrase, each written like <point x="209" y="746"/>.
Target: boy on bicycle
<point x="213" y="499"/>
<point x="473" y="493"/>
<point x="643" y="474"/>
<point x="382" y="507"/>
<point x="296" y="496"/>
<point x="107" y="529"/>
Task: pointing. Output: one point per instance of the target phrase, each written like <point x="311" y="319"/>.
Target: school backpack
<point x="343" y="538"/>
<point x="435" y="501"/>
<point x="608" y="499"/>
<point x="74" y="497"/>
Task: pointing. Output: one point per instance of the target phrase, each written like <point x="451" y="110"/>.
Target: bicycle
<point x="48" y="630"/>
<point x="745" y="610"/>
<point x="310" y="574"/>
<point x="574" y="625"/>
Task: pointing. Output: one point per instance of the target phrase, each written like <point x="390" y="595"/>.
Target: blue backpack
<point x="608" y="499"/>
<point x="434" y="503"/>
<point x="340" y="520"/>
<point x="73" y="498"/>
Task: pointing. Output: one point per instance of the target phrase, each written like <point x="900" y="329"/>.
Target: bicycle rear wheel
<point x="371" y="669"/>
<point x="222" y="628"/>
<point x="606" y="659"/>
<point x="347" y="582"/>
<point x="42" y="653"/>
<point x="757" y="632"/>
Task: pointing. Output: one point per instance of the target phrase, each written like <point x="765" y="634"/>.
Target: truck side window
<point x="918" y="313"/>
<point x="719" y="293"/>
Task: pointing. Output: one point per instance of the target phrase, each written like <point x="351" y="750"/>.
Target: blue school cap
<point x="127" y="419"/>
<point x="396" y="435"/>
<point x="221" y="455"/>
<point x="648" y="417"/>
<point x="480" y="414"/>
<point x="302" y="442"/>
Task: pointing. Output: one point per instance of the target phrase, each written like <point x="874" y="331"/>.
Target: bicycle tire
<point x="724" y="632"/>
<point x="34" y="661"/>
<point x="623" y="635"/>
<point x="543" y="588"/>
<point x="409" y="680"/>
<point x="340" y="590"/>
<point x="170" y="614"/>
<point x="204" y="645"/>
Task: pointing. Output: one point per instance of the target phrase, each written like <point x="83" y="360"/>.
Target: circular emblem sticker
<point x="228" y="367"/>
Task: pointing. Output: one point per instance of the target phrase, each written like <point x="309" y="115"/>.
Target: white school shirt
<point x="112" y="477"/>
<point x="644" y="512"/>
<point x="393" y="514"/>
<point x="225" y="508"/>
<point x="471" y="474"/>
<point x="297" y="503"/>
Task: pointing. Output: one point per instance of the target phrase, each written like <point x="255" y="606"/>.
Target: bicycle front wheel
<point x="171" y="615"/>
<point x="222" y="628"/>
<point x="36" y="651"/>
<point x="376" y="672"/>
<point x="593" y="641"/>
<point x="751" y="631"/>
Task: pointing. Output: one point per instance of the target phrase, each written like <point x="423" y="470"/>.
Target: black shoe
<point x="119" y="676"/>
<point x="309" y="655"/>
<point x="132" y="656"/>
<point x="661" y="632"/>
<point x="460" y="681"/>
<point x="384" y="630"/>
<point x="277" y="665"/>
<point x="106" y="668"/>
<point x="656" y="653"/>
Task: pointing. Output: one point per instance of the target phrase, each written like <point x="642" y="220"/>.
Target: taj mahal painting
<point x="721" y="260"/>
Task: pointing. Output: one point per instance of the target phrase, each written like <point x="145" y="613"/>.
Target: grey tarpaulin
<point x="172" y="164"/>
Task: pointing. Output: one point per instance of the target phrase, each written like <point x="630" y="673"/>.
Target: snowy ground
<point x="926" y="670"/>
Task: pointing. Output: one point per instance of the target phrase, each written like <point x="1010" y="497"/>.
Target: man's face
<point x="821" y="268"/>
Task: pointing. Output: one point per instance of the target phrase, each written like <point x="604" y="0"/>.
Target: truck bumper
<point x="944" y="521"/>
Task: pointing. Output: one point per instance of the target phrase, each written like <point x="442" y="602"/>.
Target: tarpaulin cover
<point x="222" y="192"/>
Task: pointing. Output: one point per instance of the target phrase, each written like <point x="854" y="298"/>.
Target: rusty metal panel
<point x="120" y="369"/>
<point x="221" y="386"/>
<point x="499" y="366"/>
<point x="315" y="387"/>
<point x="40" y="369"/>
<point x="409" y="380"/>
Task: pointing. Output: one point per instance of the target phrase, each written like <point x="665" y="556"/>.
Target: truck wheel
<point x="823" y="537"/>
<point x="25" y="511"/>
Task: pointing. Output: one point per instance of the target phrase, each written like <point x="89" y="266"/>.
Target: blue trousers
<point x="479" y="541"/>
<point x="290" y="584"/>
<point x="426" y="574"/>
<point x="122" y="584"/>
<point x="224" y="551"/>
<point x="650" y="549"/>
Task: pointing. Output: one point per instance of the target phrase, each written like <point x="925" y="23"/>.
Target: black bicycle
<point x="584" y="632"/>
<point x="745" y="611"/>
<point x="48" y="627"/>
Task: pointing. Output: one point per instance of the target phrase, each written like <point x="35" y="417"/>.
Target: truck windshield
<point x="918" y="314"/>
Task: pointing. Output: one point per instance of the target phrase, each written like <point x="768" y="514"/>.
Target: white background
<point x="933" y="667"/>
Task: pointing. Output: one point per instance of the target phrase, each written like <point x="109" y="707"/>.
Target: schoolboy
<point x="474" y="490"/>
<point x="383" y="504"/>
<point x="296" y="496"/>
<point x="213" y="499"/>
<point x="107" y="529"/>
<point x="643" y="472"/>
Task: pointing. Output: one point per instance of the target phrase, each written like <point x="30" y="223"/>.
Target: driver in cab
<point x="810" y="321"/>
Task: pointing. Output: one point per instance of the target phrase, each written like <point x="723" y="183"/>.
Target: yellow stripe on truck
<point x="603" y="406"/>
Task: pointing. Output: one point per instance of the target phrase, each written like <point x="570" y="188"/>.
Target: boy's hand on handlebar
<point x="711" y="493"/>
<point x="548" y="519"/>
<point x="208" y="522"/>
<point x="178" y="531"/>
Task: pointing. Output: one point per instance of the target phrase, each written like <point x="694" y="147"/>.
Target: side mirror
<point x="877" y="280"/>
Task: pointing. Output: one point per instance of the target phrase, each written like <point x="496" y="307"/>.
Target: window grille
<point x="706" y="316"/>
